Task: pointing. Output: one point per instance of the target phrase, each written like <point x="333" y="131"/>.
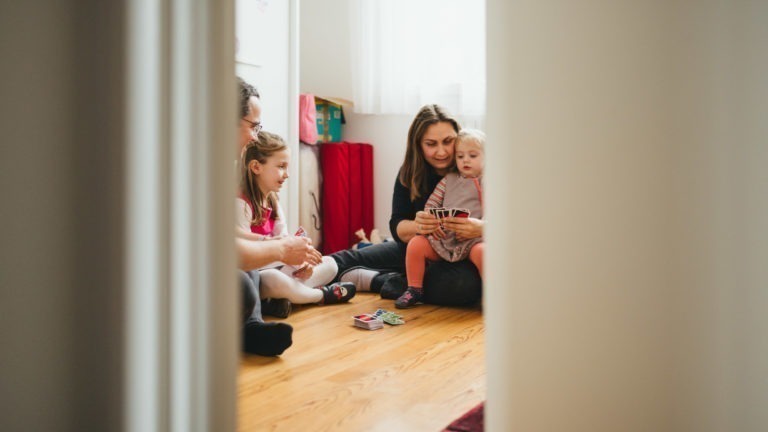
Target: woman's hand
<point x="427" y="224"/>
<point x="465" y="228"/>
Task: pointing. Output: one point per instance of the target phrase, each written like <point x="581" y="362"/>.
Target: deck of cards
<point x="368" y="322"/>
<point x="377" y="319"/>
<point x="441" y="213"/>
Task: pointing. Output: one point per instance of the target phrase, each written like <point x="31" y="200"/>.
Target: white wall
<point x="626" y="274"/>
<point x="262" y="54"/>
<point x="325" y="71"/>
<point x="267" y="58"/>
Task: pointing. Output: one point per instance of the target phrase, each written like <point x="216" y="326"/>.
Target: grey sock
<point x="360" y="277"/>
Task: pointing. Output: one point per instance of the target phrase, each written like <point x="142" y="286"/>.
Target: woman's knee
<point x="452" y="284"/>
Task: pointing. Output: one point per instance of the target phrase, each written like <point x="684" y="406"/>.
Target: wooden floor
<point x="419" y="376"/>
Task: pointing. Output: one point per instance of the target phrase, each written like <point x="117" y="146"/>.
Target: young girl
<point x="457" y="190"/>
<point x="264" y="167"/>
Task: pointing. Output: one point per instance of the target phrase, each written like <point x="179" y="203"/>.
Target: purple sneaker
<point x="410" y="298"/>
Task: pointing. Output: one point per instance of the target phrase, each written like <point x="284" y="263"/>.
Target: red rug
<point x="472" y="421"/>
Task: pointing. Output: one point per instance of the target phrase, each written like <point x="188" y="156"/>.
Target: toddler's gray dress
<point x="460" y="192"/>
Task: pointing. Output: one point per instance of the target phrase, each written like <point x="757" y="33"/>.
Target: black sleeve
<point x="402" y="208"/>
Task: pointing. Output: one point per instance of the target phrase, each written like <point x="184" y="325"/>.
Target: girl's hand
<point x="465" y="228"/>
<point x="315" y="257"/>
<point x="298" y="250"/>
<point x="427" y="224"/>
<point x="304" y="273"/>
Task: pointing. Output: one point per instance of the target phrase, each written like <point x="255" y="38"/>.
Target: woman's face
<point x="247" y="131"/>
<point x="271" y="174"/>
<point x="437" y="146"/>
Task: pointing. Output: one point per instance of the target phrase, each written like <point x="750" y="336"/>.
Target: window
<point x="407" y="53"/>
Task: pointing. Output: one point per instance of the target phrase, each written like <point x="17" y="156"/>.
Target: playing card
<point x="388" y="317"/>
<point x="462" y="213"/>
<point x="392" y="319"/>
<point x="441" y="214"/>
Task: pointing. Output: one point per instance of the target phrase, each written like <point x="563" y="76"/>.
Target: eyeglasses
<point x="255" y="127"/>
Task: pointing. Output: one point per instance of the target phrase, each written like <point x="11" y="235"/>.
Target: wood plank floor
<point x="419" y="376"/>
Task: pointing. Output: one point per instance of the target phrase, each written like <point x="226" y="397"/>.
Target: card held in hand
<point x="301" y="232"/>
<point x="461" y="212"/>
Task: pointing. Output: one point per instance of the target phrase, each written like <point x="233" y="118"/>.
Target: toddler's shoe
<point x="338" y="292"/>
<point x="409" y="299"/>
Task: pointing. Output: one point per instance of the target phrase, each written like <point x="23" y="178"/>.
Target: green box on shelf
<point x="330" y="117"/>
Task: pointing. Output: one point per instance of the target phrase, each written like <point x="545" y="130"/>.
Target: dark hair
<point x="414" y="169"/>
<point x="246" y="91"/>
<point x="259" y="150"/>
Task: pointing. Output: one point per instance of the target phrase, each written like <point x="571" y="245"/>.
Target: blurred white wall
<point x="61" y="115"/>
<point x="267" y="57"/>
<point x="326" y="71"/>
<point x="116" y="249"/>
<point x="626" y="285"/>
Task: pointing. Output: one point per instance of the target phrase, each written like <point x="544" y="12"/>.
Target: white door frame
<point x="181" y="332"/>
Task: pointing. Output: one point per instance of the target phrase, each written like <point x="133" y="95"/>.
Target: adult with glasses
<point x="381" y="267"/>
<point x="255" y="127"/>
<point x="259" y="337"/>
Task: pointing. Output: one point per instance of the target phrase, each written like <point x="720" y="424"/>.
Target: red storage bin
<point x="347" y="199"/>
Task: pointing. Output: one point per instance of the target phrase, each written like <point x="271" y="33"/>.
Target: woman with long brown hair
<point x="429" y="157"/>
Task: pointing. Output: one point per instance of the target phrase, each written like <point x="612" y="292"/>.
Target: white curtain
<point x="407" y="53"/>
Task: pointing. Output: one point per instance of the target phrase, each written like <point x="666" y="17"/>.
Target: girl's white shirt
<point x="243" y="217"/>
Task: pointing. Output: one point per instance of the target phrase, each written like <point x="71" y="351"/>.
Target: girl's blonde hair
<point x="474" y="136"/>
<point x="259" y="150"/>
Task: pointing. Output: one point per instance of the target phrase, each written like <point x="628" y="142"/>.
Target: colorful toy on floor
<point x="390" y="318"/>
